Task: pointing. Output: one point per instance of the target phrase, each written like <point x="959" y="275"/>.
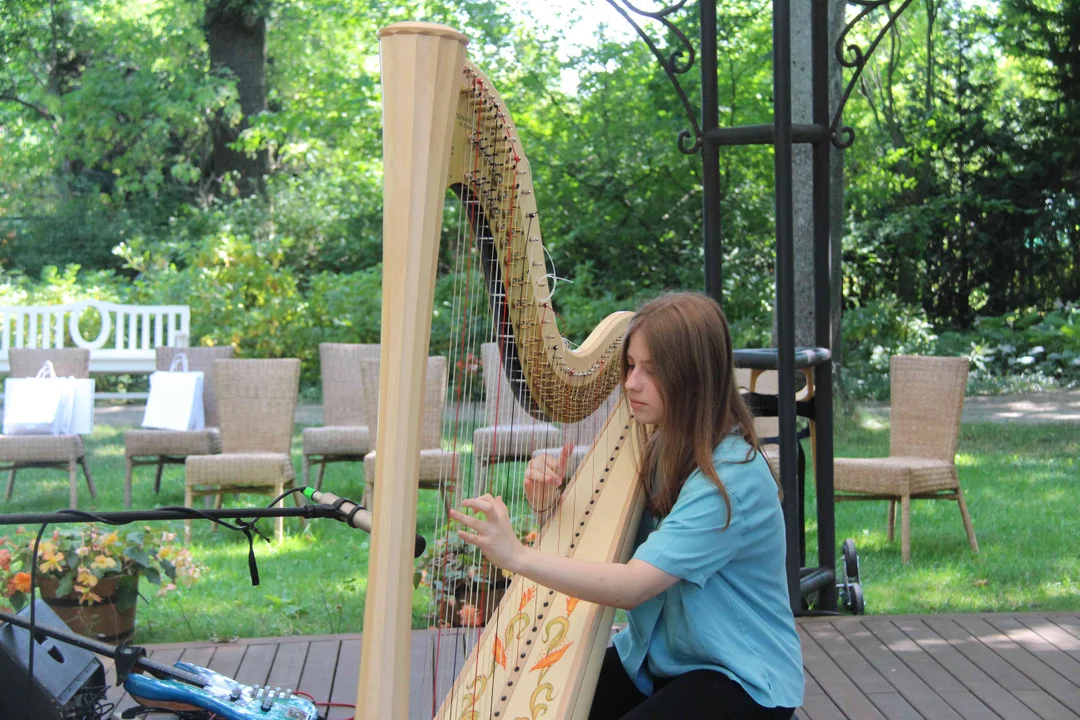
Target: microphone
<point x="354" y="515"/>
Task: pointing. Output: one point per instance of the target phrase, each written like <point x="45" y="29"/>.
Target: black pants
<point x="704" y="694"/>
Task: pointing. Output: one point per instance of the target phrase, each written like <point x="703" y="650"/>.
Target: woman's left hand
<point x="493" y="533"/>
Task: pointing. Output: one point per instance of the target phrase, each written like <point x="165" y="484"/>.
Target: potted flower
<point x="89" y="575"/>
<point x="465" y="586"/>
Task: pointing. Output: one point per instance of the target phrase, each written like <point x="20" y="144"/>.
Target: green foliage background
<point x="962" y="227"/>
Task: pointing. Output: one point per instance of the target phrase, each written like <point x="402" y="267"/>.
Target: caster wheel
<point x="855" y="600"/>
<point x="851" y="561"/>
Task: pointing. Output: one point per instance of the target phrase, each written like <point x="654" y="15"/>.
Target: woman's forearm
<point x="613" y="584"/>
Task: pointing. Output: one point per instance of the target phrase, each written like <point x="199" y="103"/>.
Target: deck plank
<point x="288" y="666"/>
<point x="1021" y="666"/>
<point x="317" y="676"/>
<point x="841" y="689"/>
<point x="914" y="691"/>
<point x="1055" y="634"/>
<point x="346" y="675"/>
<point x="1038" y="646"/>
<point x="926" y="671"/>
<point x="1001" y="701"/>
<point x="227" y="659"/>
<point x="854" y="665"/>
<point x="820" y="707"/>
<point x="1038" y="671"/>
<point x="255" y="667"/>
<point x="1069" y="623"/>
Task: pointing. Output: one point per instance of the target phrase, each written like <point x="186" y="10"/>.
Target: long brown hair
<point x="690" y="346"/>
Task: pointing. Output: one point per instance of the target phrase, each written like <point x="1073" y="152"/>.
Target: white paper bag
<point x="176" y="398"/>
<point x="41" y="405"/>
<point x="82" y="414"/>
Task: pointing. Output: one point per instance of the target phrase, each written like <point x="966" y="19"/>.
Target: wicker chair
<point x="172" y="447"/>
<point x="348" y="412"/>
<point x="511" y="434"/>
<point x="927" y="398"/>
<point x="767" y="427"/>
<point x="439" y="469"/>
<point x="256" y="402"/>
<point x="63" y="452"/>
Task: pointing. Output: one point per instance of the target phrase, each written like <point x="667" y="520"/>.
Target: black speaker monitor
<point x="67" y="679"/>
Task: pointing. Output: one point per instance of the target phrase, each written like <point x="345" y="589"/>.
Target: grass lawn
<point x="1021" y="484"/>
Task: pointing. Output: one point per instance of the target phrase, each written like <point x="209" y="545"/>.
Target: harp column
<point x="421" y="74"/>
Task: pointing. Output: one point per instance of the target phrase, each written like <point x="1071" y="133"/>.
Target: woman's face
<point x="641" y="388"/>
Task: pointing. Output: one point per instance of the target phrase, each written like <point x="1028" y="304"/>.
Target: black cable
<point x="92" y="704"/>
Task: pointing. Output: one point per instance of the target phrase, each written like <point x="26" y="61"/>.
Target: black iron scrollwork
<point x="853" y="56"/>
<point x="676" y="62"/>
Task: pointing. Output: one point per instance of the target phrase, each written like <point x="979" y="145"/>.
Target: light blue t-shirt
<point x="730" y="610"/>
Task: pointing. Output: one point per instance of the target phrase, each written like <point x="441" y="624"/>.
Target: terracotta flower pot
<point x="101" y="620"/>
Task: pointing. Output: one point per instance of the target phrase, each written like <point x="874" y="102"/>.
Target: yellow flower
<point x="51" y="562"/>
<point x="110" y="539"/>
<point x="86" y="578"/>
<point x="102" y="562"/>
<point x="87" y="597"/>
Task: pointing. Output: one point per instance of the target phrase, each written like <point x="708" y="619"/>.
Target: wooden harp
<point x="445" y="127"/>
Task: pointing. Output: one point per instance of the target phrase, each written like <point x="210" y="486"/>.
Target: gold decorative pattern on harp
<point x="445" y="127"/>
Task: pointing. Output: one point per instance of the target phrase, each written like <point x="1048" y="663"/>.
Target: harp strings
<point x="485" y="294"/>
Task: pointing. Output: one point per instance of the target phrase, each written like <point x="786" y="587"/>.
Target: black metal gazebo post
<point x="822" y="133"/>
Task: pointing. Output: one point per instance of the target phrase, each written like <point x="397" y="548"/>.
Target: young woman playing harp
<point x="711" y="633"/>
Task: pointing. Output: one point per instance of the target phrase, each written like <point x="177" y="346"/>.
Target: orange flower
<point x="5" y="559"/>
<point x="470" y="616"/>
<point x="87" y="597"/>
<point x="20" y="583"/>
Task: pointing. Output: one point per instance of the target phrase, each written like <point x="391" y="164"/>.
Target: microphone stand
<point x="129" y="516"/>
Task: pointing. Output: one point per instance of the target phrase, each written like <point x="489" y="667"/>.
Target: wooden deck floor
<point x="937" y="667"/>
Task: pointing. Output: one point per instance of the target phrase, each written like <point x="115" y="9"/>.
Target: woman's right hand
<point x="544" y="478"/>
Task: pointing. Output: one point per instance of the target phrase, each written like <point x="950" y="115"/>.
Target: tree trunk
<point x="237" y="41"/>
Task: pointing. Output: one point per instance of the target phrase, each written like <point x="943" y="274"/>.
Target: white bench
<point x="126" y="342"/>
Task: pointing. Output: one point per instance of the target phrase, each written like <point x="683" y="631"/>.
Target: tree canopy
<point x="125" y="133"/>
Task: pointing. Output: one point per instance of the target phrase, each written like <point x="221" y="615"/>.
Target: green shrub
<point x="1041" y="346"/>
<point x="1019" y="351"/>
<point x="872" y="333"/>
